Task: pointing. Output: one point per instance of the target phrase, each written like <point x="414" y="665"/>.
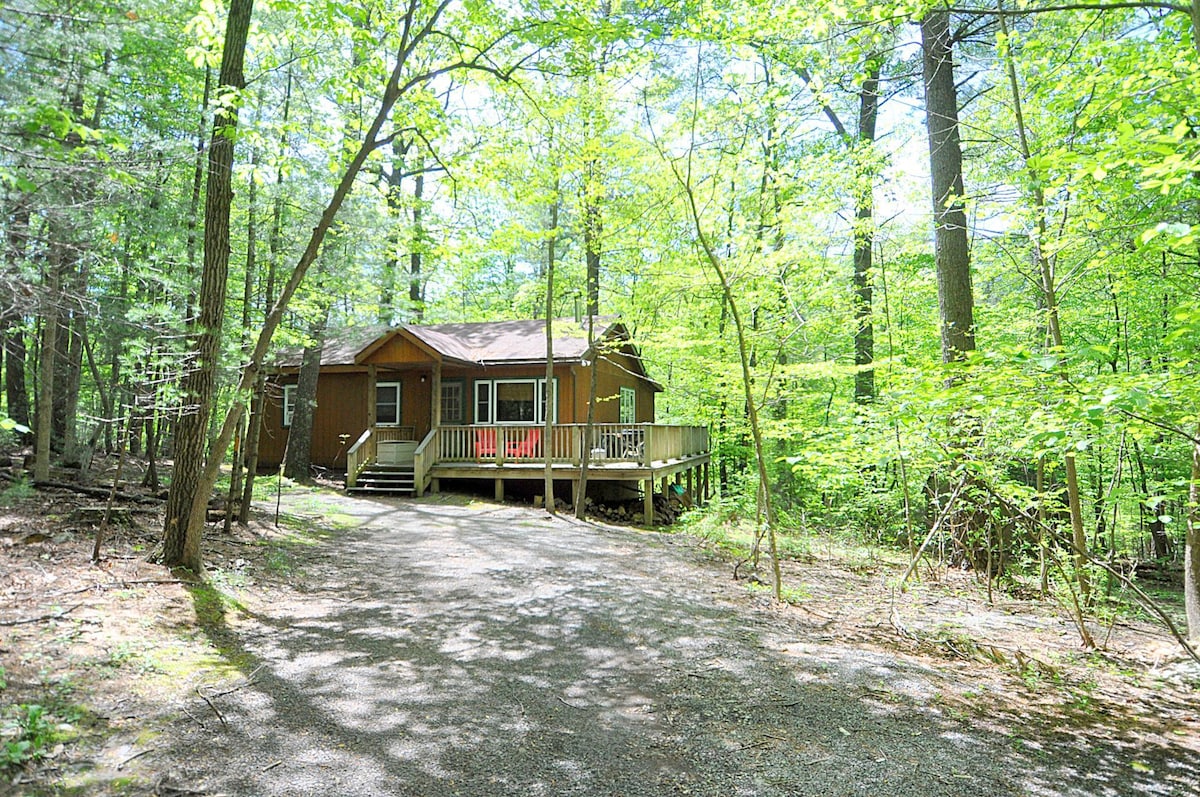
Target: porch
<point x="389" y="458"/>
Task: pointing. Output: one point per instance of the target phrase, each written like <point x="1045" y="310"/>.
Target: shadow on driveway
<point x="457" y="650"/>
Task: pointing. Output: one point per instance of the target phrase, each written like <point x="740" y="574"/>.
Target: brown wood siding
<point x="341" y="409"/>
<point x="613" y="373"/>
<point x="415" y="396"/>
<point x="398" y="351"/>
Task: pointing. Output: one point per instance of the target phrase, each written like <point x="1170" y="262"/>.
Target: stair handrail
<point x="424" y="457"/>
<point x="360" y="455"/>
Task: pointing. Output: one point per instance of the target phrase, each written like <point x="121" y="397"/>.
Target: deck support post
<point x="690" y="485"/>
<point x="704" y="487"/>
<point x="648" y="503"/>
<point x="435" y="486"/>
<point x="499" y="489"/>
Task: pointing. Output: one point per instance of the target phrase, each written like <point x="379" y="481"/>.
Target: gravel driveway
<point x="444" y="649"/>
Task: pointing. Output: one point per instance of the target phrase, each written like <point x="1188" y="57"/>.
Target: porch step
<point x="385" y="479"/>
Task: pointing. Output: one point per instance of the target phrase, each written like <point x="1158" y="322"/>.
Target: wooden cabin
<point x="377" y="418"/>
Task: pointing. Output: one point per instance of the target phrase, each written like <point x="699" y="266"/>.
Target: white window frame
<point x="627" y="409"/>
<point x="461" y="384"/>
<point x="485" y="400"/>
<point x="399" y="403"/>
<point x="289" y="404"/>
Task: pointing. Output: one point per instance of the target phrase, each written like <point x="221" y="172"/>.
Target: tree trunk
<point x="238" y="460"/>
<point x="259" y="389"/>
<point x="189" y="309"/>
<point x="253" y="435"/>
<point x="1049" y="297"/>
<point x="1191" y="554"/>
<point x="181" y="540"/>
<point x="395" y="209"/>
<point x="592" y="225"/>
<point x="951" y="247"/>
<point x="589" y="424"/>
<point x="69" y="373"/>
<point x="298" y="463"/>
<point x="551" y="395"/>
<point x="416" y="292"/>
<point x="864" y="238"/>
<point x="45" y="397"/>
<point x="16" y="394"/>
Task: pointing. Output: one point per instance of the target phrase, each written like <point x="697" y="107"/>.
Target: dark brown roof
<point x="485" y="343"/>
<point x="510" y="342"/>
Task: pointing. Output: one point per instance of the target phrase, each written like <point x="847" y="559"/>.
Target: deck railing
<point x="637" y="443"/>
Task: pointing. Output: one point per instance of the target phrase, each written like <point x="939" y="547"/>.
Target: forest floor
<point x="449" y="646"/>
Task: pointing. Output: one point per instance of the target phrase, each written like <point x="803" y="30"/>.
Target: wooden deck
<point x="641" y="453"/>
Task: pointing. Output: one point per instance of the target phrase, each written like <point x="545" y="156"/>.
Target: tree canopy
<point x="1013" y="330"/>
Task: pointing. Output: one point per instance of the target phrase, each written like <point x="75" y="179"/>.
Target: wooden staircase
<point x="380" y="478"/>
<point x="389" y="469"/>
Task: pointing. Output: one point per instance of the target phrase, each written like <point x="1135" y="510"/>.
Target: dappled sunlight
<point x="486" y="652"/>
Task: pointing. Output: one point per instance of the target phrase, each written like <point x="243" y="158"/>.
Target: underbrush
<point x="31" y="732"/>
<point x="724" y="528"/>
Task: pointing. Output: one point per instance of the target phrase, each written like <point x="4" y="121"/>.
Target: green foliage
<point x="28" y="733"/>
<point x="16" y="493"/>
<point x="1099" y="185"/>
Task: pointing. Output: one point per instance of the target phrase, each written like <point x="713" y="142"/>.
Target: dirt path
<point x="441" y="649"/>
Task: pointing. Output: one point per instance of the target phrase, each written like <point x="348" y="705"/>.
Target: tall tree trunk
<point x="69" y="370"/>
<point x="416" y="291"/>
<point x="16" y="393"/>
<point x="258" y="401"/>
<point x="1160" y="544"/>
<point x="298" y="463"/>
<point x="239" y="449"/>
<point x="952" y="254"/>
<point x="1049" y="297"/>
<point x="590" y="423"/>
<point x="45" y="392"/>
<point x="1191" y="554"/>
<point x="395" y="210"/>
<point x="181" y="537"/>
<point x="152" y="425"/>
<point x="864" y="237"/>
<point x="551" y="395"/>
<point x="763" y="493"/>
<point x="193" y="224"/>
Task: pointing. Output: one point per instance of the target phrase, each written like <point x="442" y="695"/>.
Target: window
<point x="289" y="404"/>
<point x="515" y="402"/>
<point x="453" y="402"/>
<point x="512" y="401"/>
<point x="387" y="403"/>
<point x="483" y="401"/>
<point x="628" y="409"/>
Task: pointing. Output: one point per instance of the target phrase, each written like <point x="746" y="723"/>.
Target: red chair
<point x="485" y="443"/>
<point x="527" y="448"/>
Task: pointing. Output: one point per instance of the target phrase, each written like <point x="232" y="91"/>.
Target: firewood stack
<point x="666" y="510"/>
